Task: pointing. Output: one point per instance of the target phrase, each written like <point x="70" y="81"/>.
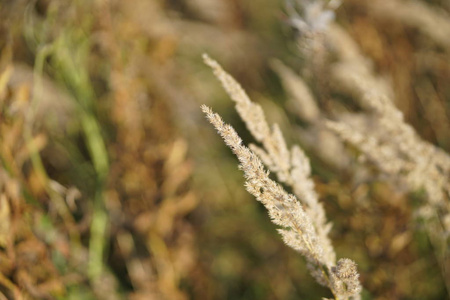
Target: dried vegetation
<point x="113" y="185"/>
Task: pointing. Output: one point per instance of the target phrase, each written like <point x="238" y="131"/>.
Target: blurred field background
<point x="113" y="185"/>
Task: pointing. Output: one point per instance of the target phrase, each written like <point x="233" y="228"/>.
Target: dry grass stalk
<point x="391" y="144"/>
<point x="399" y="153"/>
<point x="384" y="138"/>
<point x="301" y="100"/>
<point x="394" y="146"/>
<point x="429" y="21"/>
<point x="21" y="245"/>
<point x="305" y="228"/>
<point x="303" y="104"/>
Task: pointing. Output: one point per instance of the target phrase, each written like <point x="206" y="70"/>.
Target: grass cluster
<point x="114" y="186"/>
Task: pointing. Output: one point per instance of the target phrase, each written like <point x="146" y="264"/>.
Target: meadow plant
<point x="304" y="224"/>
<point x="399" y="154"/>
<point x="381" y="134"/>
<point x="104" y="183"/>
<point x="383" y="137"/>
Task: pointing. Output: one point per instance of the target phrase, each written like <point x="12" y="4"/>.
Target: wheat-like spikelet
<point x="385" y="139"/>
<point x="303" y="104"/>
<point x="389" y="142"/>
<point x="291" y="166"/>
<point x="394" y="146"/>
<point x="305" y="228"/>
<point x="399" y="153"/>
<point x="404" y="158"/>
<point x="301" y="100"/>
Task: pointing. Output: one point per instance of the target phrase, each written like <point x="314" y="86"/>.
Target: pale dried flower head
<point x="310" y="19"/>
<point x="345" y="278"/>
<point x="312" y="15"/>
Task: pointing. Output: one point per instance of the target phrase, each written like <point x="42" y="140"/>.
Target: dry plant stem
<point x="286" y="211"/>
<point x="278" y="202"/>
<point x="291" y="166"/>
<point x="391" y="144"/>
<point x="396" y="148"/>
<point x="429" y="21"/>
<point x="305" y="228"/>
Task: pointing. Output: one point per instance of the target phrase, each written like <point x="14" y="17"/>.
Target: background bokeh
<point x="114" y="186"/>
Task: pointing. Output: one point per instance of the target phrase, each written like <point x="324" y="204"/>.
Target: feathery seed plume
<point x="304" y="227"/>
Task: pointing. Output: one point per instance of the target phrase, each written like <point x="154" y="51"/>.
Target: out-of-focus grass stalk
<point x="4" y="79"/>
<point x="11" y="286"/>
<point x="73" y="69"/>
<point x="68" y="56"/>
<point x="41" y="55"/>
